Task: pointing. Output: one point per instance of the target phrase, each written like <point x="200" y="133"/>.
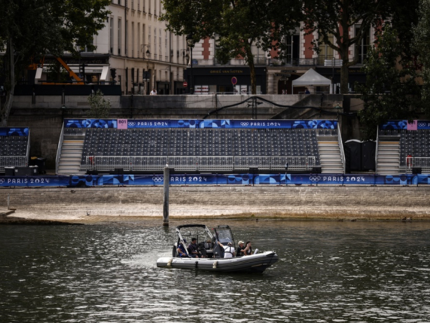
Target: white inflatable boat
<point x="212" y="254"/>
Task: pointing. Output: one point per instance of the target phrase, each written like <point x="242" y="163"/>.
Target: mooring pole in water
<point x="8" y="201"/>
<point x="166" y="196"/>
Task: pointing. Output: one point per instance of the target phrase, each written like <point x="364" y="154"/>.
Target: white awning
<point x="104" y="76"/>
<point x="312" y="78"/>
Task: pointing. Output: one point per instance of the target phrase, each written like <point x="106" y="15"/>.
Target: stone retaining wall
<point x="322" y="202"/>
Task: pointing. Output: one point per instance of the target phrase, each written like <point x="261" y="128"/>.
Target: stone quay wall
<point x="284" y="202"/>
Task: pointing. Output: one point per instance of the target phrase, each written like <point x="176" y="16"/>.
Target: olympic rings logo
<point x="422" y="125"/>
<point x="131" y="123"/>
<point x="244" y="123"/>
<point x="314" y="178"/>
<point x="157" y="179"/>
<point x="1" y="180"/>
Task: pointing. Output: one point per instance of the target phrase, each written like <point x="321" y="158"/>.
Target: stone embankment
<point x="89" y="205"/>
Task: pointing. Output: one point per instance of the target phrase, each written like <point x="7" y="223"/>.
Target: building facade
<point x="274" y="75"/>
<point x="142" y="54"/>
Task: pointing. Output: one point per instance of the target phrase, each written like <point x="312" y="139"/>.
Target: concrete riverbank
<point x="89" y="205"/>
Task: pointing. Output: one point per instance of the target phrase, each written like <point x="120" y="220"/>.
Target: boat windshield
<point x="224" y="235"/>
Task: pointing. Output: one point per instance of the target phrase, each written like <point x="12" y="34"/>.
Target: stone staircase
<point x="388" y="158"/>
<point x="330" y="157"/>
<point x="71" y="153"/>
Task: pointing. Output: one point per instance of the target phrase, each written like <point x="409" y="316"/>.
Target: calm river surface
<point x="328" y="272"/>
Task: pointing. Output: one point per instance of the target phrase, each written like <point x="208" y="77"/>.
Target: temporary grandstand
<point x="200" y="146"/>
<point x="403" y="148"/>
<point x="14" y="147"/>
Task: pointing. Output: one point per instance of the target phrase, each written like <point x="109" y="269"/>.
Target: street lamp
<point x="190" y="43"/>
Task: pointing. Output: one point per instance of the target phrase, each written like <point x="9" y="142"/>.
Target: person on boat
<point x="248" y="248"/>
<point x="244" y="249"/>
<point x="206" y="248"/>
<point x="228" y="250"/>
<point x="181" y="250"/>
<point x="192" y="249"/>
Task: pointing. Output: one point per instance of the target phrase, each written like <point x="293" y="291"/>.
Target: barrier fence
<point x="198" y="163"/>
<point x="16" y="161"/>
<point x="214" y="179"/>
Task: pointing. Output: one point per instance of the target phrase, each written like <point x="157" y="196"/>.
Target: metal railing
<point x="417" y="162"/>
<point x="198" y="163"/>
<point x="340" y="143"/>
<point x="377" y="149"/>
<point x="13" y="161"/>
<point x="59" y="148"/>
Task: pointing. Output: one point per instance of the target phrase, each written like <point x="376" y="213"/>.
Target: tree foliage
<point x="392" y="89"/>
<point x="421" y="44"/>
<point x="31" y="29"/>
<point x="341" y="24"/>
<point x="99" y="106"/>
<point x="236" y="25"/>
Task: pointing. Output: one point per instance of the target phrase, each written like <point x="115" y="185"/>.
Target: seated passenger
<point x="181" y="250"/>
<point x="209" y="245"/>
<point x="192" y="248"/>
<point x="206" y="248"/>
<point x="244" y="249"/>
<point x="228" y="250"/>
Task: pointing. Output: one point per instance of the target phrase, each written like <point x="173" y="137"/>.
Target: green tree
<point x="392" y="89"/>
<point x="236" y="25"/>
<point x="31" y="29"/>
<point x="99" y="106"/>
<point x="421" y="44"/>
<point x="341" y="24"/>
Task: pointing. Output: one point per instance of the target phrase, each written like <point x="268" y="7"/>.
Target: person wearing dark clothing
<point x="181" y="250"/>
<point x="193" y="249"/>
<point x="248" y="248"/>
<point x="244" y="249"/>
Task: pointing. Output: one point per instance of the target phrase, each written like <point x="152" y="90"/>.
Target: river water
<point x="327" y="272"/>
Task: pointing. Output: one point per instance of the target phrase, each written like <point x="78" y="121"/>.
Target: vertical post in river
<point x="166" y="196"/>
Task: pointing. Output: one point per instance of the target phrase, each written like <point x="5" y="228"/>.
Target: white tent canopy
<point x="312" y="78"/>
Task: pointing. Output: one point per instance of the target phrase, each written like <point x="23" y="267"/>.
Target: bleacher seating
<point x="416" y="144"/>
<point x="199" y="149"/>
<point x="13" y="148"/>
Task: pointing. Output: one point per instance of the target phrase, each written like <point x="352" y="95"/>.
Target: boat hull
<point x="257" y="263"/>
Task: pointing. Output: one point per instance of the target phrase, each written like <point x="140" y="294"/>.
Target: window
<point x="138" y="39"/>
<point x="159" y="45"/>
<point x="149" y="40"/>
<point x="119" y="36"/>
<point x="326" y="52"/>
<point x="166" y="47"/>
<point x="111" y="35"/>
<point x="361" y="48"/>
<point x="132" y="39"/>
<point x="155" y="43"/>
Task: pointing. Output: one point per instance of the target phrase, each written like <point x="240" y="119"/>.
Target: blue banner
<point x="403" y="125"/>
<point x="34" y="181"/>
<point x="22" y="132"/>
<point x="251" y="179"/>
<point x="209" y="124"/>
<point x="213" y="179"/>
